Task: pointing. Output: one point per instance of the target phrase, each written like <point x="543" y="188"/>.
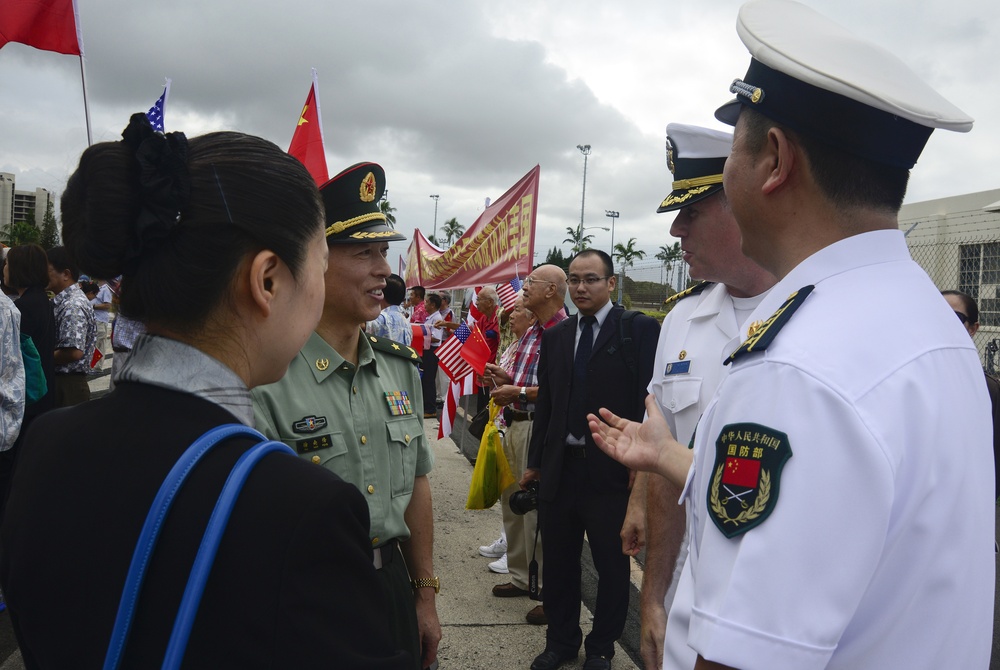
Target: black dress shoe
<point x="550" y="660"/>
<point x="596" y="662"/>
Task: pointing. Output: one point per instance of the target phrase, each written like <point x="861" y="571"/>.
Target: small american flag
<point x="449" y="357"/>
<point x="155" y="113"/>
<point x="508" y="293"/>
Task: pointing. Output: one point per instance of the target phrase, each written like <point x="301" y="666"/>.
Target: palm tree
<point x="452" y="230"/>
<point x="627" y="254"/>
<point x="578" y="239"/>
<point x="389" y="211"/>
<point x="669" y="255"/>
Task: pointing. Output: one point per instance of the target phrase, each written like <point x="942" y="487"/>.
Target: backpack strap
<point x="151" y="530"/>
<point x="625" y="337"/>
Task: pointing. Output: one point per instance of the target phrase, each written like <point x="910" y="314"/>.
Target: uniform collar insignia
<point x="765" y="334"/>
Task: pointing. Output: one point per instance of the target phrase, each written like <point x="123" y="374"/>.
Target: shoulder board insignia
<point x="686" y="293"/>
<point x="746" y="476"/>
<point x="765" y="334"/>
<point x="393" y="347"/>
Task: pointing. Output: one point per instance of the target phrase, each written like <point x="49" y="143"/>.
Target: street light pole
<point x="614" y="217"/>
<point x="435" y="233"/>
<point x="585" y="150"/>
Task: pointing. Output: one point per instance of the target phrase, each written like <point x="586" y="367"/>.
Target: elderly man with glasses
<point x="543" y="294"/>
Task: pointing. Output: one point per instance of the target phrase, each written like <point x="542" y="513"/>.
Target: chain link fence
<point x="962" y="252"/>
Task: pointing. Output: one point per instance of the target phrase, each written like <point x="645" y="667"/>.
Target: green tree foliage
<point x="555" y="257"/>
<point x="626" y="254"/>
<point x="49" y="236"/>
<point x="669" y="254"/>
<point x="578" y="238"/>
<point x="20" y="232"/>
<point x="452" y="230"/>
<point x="389" y="211"/>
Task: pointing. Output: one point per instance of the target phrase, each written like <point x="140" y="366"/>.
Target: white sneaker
<point x="499" y="566"/>
<point x="495" y="550"/>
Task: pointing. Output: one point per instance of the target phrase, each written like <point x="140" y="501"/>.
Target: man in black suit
<point x="592" y="360"/>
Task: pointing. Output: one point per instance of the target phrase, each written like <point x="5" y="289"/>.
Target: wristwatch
<point x="427" y="582"/>
<point x="523" y="395"/>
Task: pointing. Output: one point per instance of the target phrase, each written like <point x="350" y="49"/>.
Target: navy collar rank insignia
<point x="745" y="481"/>
<point x="309" y="424"/>
<point x="694" y="290"/>
<point x="765" y="333"/>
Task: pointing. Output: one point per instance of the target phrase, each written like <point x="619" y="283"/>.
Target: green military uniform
<point x="363" y="423"/>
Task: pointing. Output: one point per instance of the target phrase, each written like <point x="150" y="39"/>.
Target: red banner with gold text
<point x="498" y="246"/>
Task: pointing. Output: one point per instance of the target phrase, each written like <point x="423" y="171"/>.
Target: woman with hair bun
<point x="220" y="241"/>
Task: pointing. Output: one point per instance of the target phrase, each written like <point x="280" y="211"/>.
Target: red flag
<point x="96" y="358"/>
<point x="49" y="25"/>
<point x="307" y="141"/>
<point x="418" y="338"/>
<point x="476" y="351"/>
<point x="741" y="472"/>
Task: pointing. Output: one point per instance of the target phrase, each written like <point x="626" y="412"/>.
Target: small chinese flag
<point x="307" y="141"/>
<point x="96" y="358"/>
<point x="741" y="472"/>
<point x="49" y="25"/>
<point x="476" y="351"/>
<point x="418" y="338"/>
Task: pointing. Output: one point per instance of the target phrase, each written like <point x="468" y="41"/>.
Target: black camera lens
<point x="522" y="502"/>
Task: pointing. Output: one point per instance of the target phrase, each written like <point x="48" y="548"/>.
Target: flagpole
<point x="86" y="107"/>
<point x="319" y="112"/>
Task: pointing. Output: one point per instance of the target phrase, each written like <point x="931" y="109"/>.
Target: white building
<point x="18" y="205"/>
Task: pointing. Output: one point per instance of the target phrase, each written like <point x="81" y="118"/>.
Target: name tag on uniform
<point x="678" y="368"/>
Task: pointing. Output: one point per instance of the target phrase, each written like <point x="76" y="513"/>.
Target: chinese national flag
<point x="307" y="141"/>
<point x="741" y="472"/>
<point x="418" y="338"/>
<point x="49" y="25"/>
<point x="96" y="358"/>
<point x="476" y="351"/>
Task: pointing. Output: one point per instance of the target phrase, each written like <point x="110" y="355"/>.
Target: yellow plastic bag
<point x="492" y="474"/>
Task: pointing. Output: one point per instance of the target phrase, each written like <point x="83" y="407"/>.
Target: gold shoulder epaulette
<point x="694" y="290"/>
<point x="393" y="347"/>
<point x="765" y="334"/>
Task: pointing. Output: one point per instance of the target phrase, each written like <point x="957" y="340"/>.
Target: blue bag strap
<point x="210" y="546"/>
<point x="151" y="531"/>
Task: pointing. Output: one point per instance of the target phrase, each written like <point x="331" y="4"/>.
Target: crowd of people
<point x="812" y="489"/>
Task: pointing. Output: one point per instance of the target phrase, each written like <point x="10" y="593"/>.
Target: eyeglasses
<point x="532" y="280"/>
<point x="962" y="317"/>
<point x="589" y="280"/>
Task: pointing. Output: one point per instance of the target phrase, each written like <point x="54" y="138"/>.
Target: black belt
<point x="383" y="554"/>
<point x="511" y="415"/>
<point x="120" y="350"/>
<point x="576" y="451"/>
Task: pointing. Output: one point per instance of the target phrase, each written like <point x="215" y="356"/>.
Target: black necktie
<point x="577" y="420"/>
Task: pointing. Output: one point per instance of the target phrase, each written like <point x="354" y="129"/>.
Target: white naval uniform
<point x="879" y="550"/>
<point x="698" y="334"/>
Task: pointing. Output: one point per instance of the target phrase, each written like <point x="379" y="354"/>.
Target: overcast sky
<point x="462" y="97"/>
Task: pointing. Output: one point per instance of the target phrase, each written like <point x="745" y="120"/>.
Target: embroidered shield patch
<point x="749" y="458"/>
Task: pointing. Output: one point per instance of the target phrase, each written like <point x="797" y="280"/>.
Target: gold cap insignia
<point x="368" y="188"/>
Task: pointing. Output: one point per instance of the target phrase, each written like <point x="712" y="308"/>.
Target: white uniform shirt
<point x="698" y="334"/>
<point x="879" y="550"/>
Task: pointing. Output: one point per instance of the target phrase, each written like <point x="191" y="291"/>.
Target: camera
<point x="522" y="502"/>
